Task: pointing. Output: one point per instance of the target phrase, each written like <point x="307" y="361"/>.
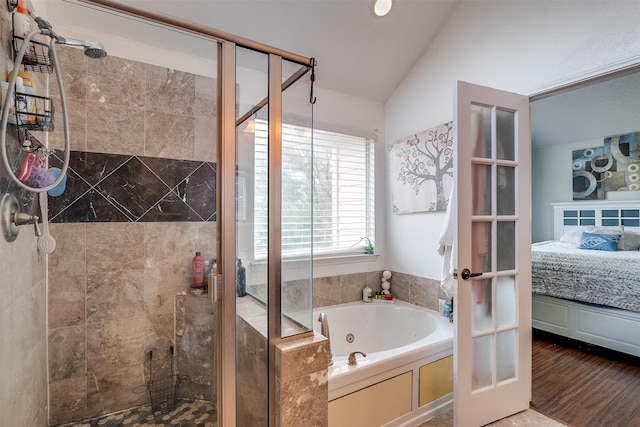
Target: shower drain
<point x="350" y="338"/>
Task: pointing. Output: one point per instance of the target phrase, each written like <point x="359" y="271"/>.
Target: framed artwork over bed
<point x="611" y="167"/>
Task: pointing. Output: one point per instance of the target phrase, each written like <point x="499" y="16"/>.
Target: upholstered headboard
<point x="575" y="215"/>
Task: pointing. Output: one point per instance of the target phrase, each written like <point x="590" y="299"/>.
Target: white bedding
<point x="598" y="277"/>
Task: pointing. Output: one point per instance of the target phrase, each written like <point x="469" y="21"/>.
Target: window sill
<point x="324" y="260"/>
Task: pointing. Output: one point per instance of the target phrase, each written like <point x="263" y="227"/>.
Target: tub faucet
<point x="324" y="330"/>
<point x="352" y="358"/>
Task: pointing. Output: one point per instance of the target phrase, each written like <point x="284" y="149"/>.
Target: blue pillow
<point x="599" y="242"/>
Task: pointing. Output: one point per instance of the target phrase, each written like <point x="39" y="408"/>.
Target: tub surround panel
<point x="301" y="382"/>
<point x="302" y="357"/>
<point x="303" y="401"/>
<point x="417" y="290"/>
<point x="326" y="291"/>
<point x="333" y="290"/>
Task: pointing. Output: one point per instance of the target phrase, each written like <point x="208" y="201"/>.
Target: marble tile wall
<point x="195" y="350"/>
<point x="23" y="334"/>
<point x="301" y="387"/>
<point x="112" y="289"/>
<point x="142" y="136"/>
<point x="334" y="290"/>
<point x="302" y="383"/>
<point x="117" y="188"/>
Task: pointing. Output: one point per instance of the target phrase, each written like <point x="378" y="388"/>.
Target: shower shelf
<point x="36" y="57"/>
<point x="40" y="114"/>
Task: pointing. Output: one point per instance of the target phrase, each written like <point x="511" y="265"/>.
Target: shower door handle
<point x="467" y="274"/>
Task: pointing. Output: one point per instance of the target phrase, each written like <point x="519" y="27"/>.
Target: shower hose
<point x="5" y="115"/>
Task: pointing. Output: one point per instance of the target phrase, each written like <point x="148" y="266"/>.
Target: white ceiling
<point x="357" y="53"/>
<point x="593" y="111"/>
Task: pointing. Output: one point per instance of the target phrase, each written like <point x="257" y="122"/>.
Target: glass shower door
<point x="273" y="223"/>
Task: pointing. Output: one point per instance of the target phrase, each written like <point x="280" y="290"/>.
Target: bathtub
<point x="398" y="338"/>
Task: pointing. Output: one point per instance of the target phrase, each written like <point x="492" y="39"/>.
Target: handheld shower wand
<point x="91" y="49"/>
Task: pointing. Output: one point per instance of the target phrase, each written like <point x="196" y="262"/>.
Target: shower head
<point x="91" y="49"/>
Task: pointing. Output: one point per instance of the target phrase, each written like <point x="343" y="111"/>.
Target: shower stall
<point x="201" y="144"/>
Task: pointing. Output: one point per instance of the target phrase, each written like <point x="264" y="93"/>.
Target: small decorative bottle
<point x="241" y="279"/>
<point x="367" y="294"/>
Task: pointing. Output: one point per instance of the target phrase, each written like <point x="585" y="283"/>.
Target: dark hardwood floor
<point x="580" y="385"/>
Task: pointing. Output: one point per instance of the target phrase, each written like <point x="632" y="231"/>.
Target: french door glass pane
<point x="481" y="131"/>
<point x="481" y="305"/>
<point x="481" y="189"/>
<point x="506" y="301"/>
<point x="482" y="371"/>
<point x="506" y="245"/>
<point x="506" y="355"/>
<point x="481" y="246"/>
<point x="506" y="190"/>
<point x="505" y="135"/>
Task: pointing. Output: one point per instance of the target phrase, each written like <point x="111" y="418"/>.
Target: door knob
<point x="467" y="274"/>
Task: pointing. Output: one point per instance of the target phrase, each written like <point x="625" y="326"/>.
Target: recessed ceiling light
<point x="381" y="7"/>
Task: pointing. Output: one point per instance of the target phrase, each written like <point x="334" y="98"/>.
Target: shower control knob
<point x="20" y="218"/>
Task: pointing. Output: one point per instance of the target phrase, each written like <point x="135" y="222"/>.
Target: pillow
<point x="609" y="230"/>
<point x="631" y="241"/>
<point x="599" y="242"/>
<point x="573" y="236"/>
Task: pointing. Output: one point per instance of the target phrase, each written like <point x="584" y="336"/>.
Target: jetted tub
<point x="397" y="338"/>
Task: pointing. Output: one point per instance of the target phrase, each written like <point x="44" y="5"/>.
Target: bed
<point x="590" y="295"/>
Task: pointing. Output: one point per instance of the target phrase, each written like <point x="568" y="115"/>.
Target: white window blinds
<point x="336" y="178"/>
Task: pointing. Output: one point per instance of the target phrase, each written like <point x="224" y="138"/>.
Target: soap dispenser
<point x="367" y="294"/>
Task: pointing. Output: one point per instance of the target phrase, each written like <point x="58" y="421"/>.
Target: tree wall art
<point x="421" y="170"/>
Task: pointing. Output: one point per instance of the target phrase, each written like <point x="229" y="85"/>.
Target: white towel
<point x="446" y="246"/>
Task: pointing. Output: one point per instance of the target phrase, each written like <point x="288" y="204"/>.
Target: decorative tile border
<point x="124" y="188"/>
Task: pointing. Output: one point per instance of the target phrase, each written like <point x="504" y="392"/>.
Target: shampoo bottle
<point x="21" y="20"/>
<point x="198" y="271"/>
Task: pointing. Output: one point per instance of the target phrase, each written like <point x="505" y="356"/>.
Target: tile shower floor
<point x="199" y="413"/>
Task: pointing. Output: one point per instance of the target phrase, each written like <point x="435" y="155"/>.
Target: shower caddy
<point x="32" y="55"/>
<point x="163" y="390"/>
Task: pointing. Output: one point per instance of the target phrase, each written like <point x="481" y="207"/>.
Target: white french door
<point x="492" y="345"/>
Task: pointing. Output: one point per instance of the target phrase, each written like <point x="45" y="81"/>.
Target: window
<point x="342" y="193"/>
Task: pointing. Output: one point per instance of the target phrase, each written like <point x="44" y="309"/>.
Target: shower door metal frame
<point x="226" y="231"/>
<point x="225" y="196"/>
